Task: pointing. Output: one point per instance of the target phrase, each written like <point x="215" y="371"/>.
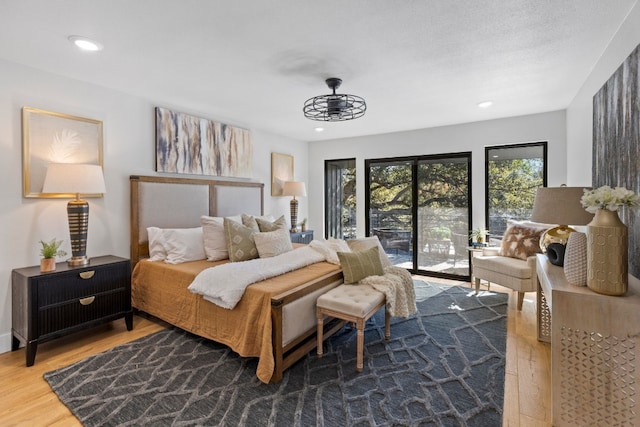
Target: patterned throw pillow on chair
<point x="522" y="239"/>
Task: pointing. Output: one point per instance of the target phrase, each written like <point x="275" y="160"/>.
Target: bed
<point x="275" y="319"/>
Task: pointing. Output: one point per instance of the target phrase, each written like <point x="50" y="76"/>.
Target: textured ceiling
<point x="418" y="63"/>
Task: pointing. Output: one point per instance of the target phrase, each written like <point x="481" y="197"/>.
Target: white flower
<point x="609" y="198"/>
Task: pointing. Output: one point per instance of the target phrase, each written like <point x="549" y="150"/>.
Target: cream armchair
<point x="512" y="273"/>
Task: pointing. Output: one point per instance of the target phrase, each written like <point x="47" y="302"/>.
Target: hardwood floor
<point x="27" y="400"/>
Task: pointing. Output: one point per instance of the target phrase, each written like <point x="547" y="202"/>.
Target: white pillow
<point x="327" y="249"/>
<point x="156" y="244"/>
<point x="272" y="243"/>
<point x="215" y="244"/>
<point x="338" y="245"/>
<point x="183" y="245"/>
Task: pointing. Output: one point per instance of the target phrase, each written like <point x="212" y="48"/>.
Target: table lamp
<point x="559" y="205"/>
<point x="77" y="179"/>
<point x="294" y="188"/>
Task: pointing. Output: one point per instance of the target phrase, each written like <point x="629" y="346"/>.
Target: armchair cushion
<point x="504" y="265"/>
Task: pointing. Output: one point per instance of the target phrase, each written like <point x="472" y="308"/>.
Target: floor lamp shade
<point x="294" y="188"/>
<point x="77" y="179"/>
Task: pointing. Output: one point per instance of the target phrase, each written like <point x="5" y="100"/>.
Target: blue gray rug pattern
<point x="444" y="366"/>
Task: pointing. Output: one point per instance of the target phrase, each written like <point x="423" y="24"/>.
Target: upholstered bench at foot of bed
<point x="353" y="303"/>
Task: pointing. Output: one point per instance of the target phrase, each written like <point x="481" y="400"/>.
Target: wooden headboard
<point x="169" y="202"/>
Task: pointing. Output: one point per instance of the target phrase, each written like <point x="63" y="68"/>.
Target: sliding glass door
<point x="420" y="209"/>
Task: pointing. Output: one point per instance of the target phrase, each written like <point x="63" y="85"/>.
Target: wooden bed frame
<point x="170" y="202"/>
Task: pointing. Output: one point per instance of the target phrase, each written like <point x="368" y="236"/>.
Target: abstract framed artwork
<point x="188" y="144"/>
<point x="616" y="143"/>
<point x="49" y="137"/>
<point x="281" y="172"/>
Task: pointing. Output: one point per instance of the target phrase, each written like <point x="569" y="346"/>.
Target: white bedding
<point x="224" y="285"/>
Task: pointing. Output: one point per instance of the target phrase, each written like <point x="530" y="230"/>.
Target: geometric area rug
<point x="443" y="366"/>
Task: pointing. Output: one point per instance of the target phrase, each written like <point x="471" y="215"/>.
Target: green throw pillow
<point x="240" y="241"/>
<point x="358" y="265"/>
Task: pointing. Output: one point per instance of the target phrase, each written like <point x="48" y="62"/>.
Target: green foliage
<point x="513" y="183"/>
<point x="439" y="233"/>
<point x="478" y="234"/>
<point x="51" y="249"/>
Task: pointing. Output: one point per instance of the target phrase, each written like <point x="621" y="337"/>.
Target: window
<point x="340" y="198"/>
<point x="513" y="173"/>
<point x="419" y="207"/>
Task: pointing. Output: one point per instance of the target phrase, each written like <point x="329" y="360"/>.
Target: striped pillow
<point x="358" y="265"/>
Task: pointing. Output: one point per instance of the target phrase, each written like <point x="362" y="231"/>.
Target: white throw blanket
<point x="225" y="284"/>
<point x="397" y="285"/>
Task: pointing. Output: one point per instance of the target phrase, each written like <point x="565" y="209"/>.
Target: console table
<point x="595" y="351"/>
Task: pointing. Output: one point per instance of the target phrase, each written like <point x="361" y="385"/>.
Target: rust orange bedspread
<point x="161" y="290"/>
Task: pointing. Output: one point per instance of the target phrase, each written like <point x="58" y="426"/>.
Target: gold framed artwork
<point x="49" y="137"/>
<point x="281" y="172"/>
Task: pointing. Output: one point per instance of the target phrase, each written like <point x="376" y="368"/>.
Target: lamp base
<point x="559" y="234"/>
<point x="294" y="215"/>
<point x="78" y="261"/>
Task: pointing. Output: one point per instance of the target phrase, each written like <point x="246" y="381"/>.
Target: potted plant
<point x="303" y="225"/>
<point x="49" y="251"/>
<point x="478" y="235"/>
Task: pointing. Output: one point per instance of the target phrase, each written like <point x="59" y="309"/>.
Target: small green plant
<point x="479" y="234"/>
<point x="439" y="233"/>
<point x="304" y="222"/>
<point x="51" y="249"/>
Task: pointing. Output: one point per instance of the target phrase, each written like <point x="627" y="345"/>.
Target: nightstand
<point x="302" y="237"/>
<point x="49" y="305"/>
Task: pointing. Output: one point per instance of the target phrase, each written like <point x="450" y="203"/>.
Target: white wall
<point x="129" y="147"/>
<point x="580" y="111"/>
<point x="473" y="137"/>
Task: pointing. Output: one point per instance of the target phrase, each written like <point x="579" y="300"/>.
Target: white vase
<point x="607" y="253"/>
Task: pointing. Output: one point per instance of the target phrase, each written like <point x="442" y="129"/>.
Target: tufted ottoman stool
<point x="353" y="303"/>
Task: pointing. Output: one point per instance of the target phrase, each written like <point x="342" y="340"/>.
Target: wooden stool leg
<point x="360" y="347"/>
<point x="477" y="285"/>
<point x="387" y="324"/>
<point x="320" y="331"/>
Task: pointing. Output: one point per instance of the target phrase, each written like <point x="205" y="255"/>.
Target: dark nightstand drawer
<point x="302" y="237"/>
<point x="74" y="312"/>
<point x="58" y="288"/>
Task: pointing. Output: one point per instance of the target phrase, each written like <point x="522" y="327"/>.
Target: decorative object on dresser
<point x="49" y="137"/>
<point x="303" y="225"/>
<point x="301" y="236"/>
<point x="558" y="205"/>
<point x="49" y="251"/>
<point x="575" y="259"/>
<point x="607" y="239"/>
<point x="595" y="341"/>
<point x="77" y="179"/>
<point x="294" y="188"/>
<point x="50" y="305"/>
<point x="193" y="145"/>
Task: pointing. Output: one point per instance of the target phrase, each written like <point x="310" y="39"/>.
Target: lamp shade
<point x="294" y="188"/>
<point x="560" y="205"/>
<point x="74" y="178"/>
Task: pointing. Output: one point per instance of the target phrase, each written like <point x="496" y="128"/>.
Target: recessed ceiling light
<point x="85" y="43"/>
<point x="485" y="104"/>
<point x="319" y="129"/>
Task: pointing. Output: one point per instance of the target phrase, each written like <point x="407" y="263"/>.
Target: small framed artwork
<point x="49" y="137"/>
<point x="281" y="172"/>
